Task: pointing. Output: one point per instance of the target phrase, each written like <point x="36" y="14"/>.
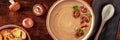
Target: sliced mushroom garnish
<point x="85" y="18"/>
<point x="76" y="11"/>
<point x="76" y="14"/>
<point x="83" y="9"/>
<point x="79" y="32"/>
<point x="84" y="26"/>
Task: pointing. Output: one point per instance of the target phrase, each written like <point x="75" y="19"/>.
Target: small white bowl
<point x="60" y="1"/>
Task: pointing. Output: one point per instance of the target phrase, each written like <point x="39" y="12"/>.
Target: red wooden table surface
<point x="38" y="31"/>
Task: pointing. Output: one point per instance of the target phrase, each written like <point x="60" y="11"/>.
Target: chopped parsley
<point x="81" y="31"/>
<point x="88" y="14"/>
<point x="75" y="7"/>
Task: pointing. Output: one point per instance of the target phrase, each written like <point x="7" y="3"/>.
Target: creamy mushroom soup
<point x="70" y="20"/>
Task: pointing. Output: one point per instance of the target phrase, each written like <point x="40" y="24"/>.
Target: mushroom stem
<point x="12" y="1"/>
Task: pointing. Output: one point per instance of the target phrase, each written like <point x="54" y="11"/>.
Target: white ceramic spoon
<point x="107" y="13"/>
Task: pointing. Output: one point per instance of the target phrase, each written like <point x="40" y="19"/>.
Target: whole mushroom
<point x="15" y="6"/>
<point x="27" y="23"/>
<point x="40" y="9"/>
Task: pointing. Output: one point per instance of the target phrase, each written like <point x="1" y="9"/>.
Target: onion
<point x="39" y="9"/>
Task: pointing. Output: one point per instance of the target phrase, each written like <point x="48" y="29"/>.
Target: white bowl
<point x="15" y="26"/>
<point x="59" y="2"/>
